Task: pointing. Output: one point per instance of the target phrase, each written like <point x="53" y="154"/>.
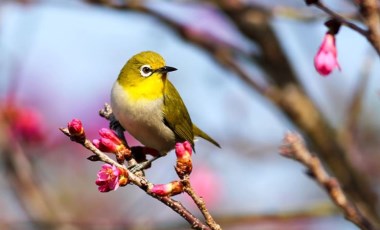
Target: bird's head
<point x="145" y="74"/>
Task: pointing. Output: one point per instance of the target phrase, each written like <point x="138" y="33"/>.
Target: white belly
<point x="143" y="120"/>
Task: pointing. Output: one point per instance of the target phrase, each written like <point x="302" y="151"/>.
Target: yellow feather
<point x="144" y="89"/>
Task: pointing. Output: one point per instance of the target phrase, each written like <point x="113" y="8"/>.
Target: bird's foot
<point x="143" y="165"/>
<point x="115" y="124"/>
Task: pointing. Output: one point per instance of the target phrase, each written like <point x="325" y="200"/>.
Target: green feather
<point x="177" y="118"/>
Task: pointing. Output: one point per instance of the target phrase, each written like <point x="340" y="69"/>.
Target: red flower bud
<point x="75" y="127"/>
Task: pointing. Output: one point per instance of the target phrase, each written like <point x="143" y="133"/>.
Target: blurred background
<point x="59" y="59"/>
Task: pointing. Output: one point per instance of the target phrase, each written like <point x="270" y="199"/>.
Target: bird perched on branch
<point x="149" y="107"/>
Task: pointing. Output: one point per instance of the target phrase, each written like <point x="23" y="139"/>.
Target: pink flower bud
<point x="75" y="127"/>
<point x="184" y="164"/>
<point x="169" y="189"/>
<point x="326" y="58"/>
<point x="183" y="150"/>
<point x="107" y="145"/>
<point x="108" y="178"/>
<point x="111" y="135"/>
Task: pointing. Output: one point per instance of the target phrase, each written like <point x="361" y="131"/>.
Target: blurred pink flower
<point x="326" y="58"/>
<point x="108" y="178"/>
<point x="207" y="184"/>
<point x="28" y="125"/>
<point x="25" y="124"/>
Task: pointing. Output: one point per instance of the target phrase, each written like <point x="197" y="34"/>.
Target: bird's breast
<point x="142" y="118"/>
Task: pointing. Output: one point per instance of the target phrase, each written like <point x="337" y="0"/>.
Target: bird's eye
<point x="145" y="70"/>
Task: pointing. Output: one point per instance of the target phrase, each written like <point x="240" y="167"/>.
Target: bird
<point x="148" y="106"/>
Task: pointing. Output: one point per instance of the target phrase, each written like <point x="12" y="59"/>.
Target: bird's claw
<point x="114" y="124"/>
<point x="139" y="167"/>
<point x="143" y="165"/>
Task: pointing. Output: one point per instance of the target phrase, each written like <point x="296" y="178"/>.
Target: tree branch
<point x="341" y="19"/>
<point x="294" y="147"/>
<point x="200" y="204"/>
<point x="369" y="9"/>
<point x="143" y="184"/>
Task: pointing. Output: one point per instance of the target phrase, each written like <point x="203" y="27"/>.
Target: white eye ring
<point x="146" y="70"/>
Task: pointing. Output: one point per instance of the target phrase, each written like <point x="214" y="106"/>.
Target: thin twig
<point x="294" y="147"/>
<point x="200" y="204"/>
<point x="144" y="184"/>
<point x="341" y="19"/>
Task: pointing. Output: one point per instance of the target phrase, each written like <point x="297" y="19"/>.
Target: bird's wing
<point x="176" y="116"/>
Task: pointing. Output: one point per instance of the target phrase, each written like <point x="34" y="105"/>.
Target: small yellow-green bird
<point x="149" y="107"/>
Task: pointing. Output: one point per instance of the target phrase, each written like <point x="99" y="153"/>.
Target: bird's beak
<point x="166" y="69"/>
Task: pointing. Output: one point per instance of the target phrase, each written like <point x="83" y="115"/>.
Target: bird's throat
<point x="150" y="89"/>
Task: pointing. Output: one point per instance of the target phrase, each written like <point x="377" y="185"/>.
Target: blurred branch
<point x="306" y="15"/>
<point x="341" y="19"/>
<point x="350" y="132"/>
<point x="236" y="221"/>
<point x="286" y="94"/>
<point x="369" y="9"/>
<point x="294" y="147"/>
<point x="254" y="22"/>
<point x="24" y="182"/>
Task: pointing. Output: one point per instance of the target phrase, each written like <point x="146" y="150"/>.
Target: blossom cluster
<point x="111" y="177"/>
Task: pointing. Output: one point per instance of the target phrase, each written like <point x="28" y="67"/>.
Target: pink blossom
<point x="326" y="58"/>
<point x="108" y="178"/>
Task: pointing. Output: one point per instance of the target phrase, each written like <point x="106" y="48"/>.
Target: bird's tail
<point x="198" y="132"/>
